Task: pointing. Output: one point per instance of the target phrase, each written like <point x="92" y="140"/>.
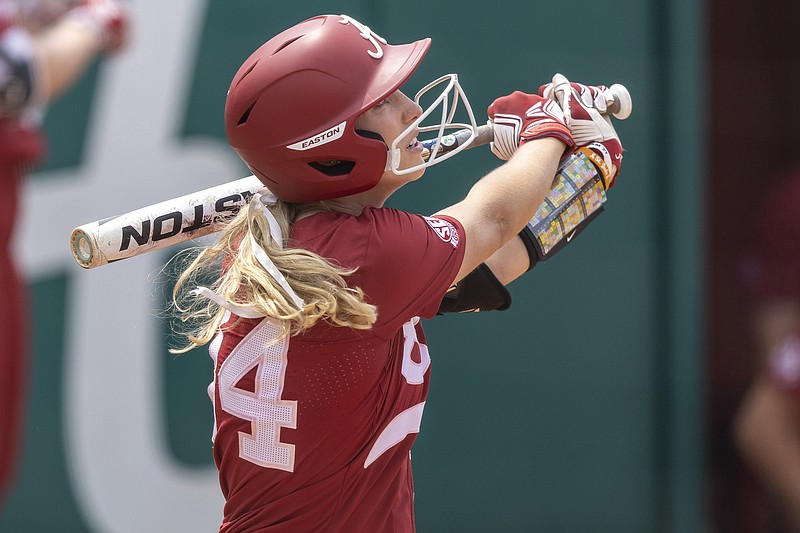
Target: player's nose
<point x="411" y="109"/>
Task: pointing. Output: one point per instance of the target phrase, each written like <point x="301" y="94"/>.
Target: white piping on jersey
<point x="402" y="425"/>
<point x="244" y="312"/>
<point x="258" y="202"/>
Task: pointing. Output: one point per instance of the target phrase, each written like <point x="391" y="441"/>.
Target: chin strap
<point x="391" y="156"/>
<point x="244" y="312"/>
<point x="259" y="202"/>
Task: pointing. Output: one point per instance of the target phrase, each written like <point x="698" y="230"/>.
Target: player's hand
<point x="585" y="109"/>
<point x="592" y="96"/>
<point x="110" y="19"/>
<point x="521" y="117"/>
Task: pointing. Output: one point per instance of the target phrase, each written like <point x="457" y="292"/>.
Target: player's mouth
<point x="414" y="145"/>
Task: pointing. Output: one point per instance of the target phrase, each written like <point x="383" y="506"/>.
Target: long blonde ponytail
<point x="242" y="281"/>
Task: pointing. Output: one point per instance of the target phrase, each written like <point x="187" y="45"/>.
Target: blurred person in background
<point x="45" y="47"/>
<point x="767" y="426"/>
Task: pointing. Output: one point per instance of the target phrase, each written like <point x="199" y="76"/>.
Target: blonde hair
<point x="243" y="281"/>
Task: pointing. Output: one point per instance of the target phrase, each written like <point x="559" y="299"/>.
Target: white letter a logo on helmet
<point x="367" y="34"/>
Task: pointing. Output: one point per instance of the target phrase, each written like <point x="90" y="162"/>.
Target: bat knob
<point x="83" y="248"/>
<point x="621" y="104"/>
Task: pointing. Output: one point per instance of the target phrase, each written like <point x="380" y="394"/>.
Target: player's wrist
<point x="607" y="157"/>
<point x="107" y="20"/>
<point x="550" y="145"/>
<point x="550" y="130"/>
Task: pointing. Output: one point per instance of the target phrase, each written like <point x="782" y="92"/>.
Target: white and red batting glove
<point x="521" y="117"/>
<point x="585" y="111"/>
<point x="109" y="19"/>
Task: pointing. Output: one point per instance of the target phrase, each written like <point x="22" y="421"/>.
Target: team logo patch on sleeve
<point x="444" y="229"/>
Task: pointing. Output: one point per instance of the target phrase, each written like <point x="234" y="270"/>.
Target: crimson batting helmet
<point x="291" y="108"/>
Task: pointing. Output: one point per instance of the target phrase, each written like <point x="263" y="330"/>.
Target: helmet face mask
<point x="292" y="106"/>
<point x="448" y="100"/>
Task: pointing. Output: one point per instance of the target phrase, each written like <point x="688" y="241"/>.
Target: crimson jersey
<point x="315" y="433"/>
<point x="21" y="145"/>
<point x="777" y="272"/>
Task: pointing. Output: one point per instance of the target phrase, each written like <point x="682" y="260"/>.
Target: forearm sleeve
<point x="573" y="202"/>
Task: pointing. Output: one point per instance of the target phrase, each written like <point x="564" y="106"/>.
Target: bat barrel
<point x="160" y="225"/>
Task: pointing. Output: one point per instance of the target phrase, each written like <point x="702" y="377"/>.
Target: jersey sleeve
<point x="409" y="263"/>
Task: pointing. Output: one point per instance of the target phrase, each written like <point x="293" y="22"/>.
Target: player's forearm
<point x="64" y="52"/>
<point x="499" y="205"/>
<point x="508" y="197"/>
<point x="509" y="262"/>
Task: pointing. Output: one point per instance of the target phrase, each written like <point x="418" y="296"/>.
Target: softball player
<point x="767" y="428"/>
<point x="44" y="47"/>
<point x="321" y="363"/>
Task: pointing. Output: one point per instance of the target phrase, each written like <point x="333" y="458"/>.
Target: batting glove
<point x="521" y="117"/>
<point x="585" y="109"/>
<point x="109" y="19"/>
<point x="592" y="96"/>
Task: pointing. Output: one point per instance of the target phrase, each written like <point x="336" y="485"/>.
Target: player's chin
<point x="408" y="163"/>
<point x="415" y="160"/>
<point x="414" y="176"/>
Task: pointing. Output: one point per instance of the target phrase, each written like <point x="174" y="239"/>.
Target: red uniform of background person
<point x="44" y="48"/>
<point x="767" y="428"/>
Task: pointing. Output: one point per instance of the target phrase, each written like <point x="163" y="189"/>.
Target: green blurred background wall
<point x="580" y="409"/>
